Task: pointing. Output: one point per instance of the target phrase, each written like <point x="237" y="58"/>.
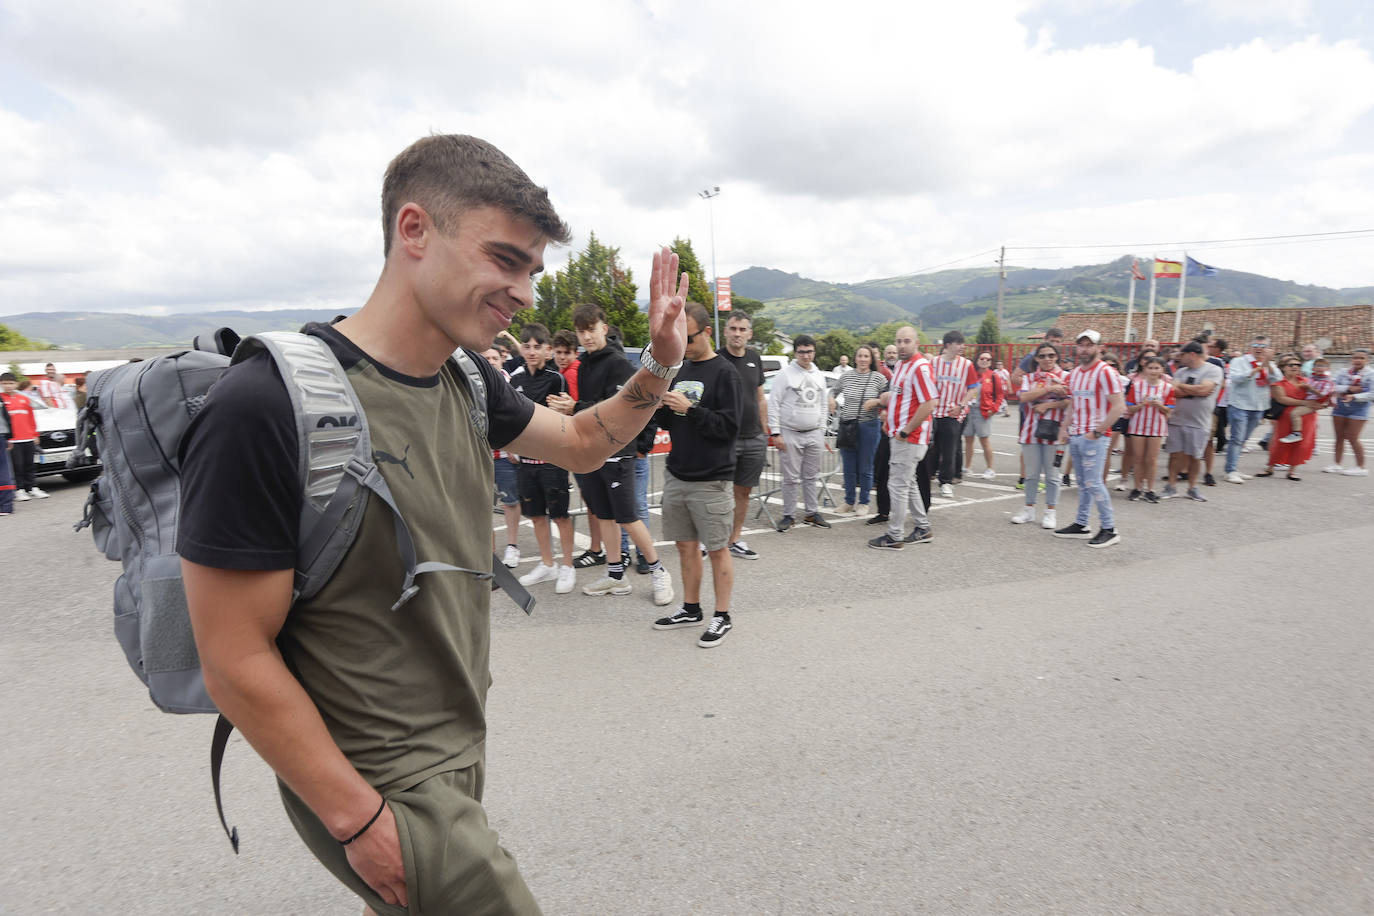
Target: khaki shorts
<point x="452" y="860"/>
<point x="698" y="510"/>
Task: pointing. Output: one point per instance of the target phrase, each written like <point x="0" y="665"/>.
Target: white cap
<point x="1091" y="335"/>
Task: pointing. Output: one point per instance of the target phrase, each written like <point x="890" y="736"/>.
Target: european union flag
<point x="1199" y="269"/>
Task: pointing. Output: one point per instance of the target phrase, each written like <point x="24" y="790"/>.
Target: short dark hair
<point x="740" y="316"/>
<point x="803" y="340"/>
<point x="565" y="340"/>
<point x="1220" y="343"/>
<point x="448" y="174"/>
<point x="587" y="315"/>
<point x="1054" y="332"/>
<point x="952" y="337"/>
<point x="534" y="331"/>
<point x="697" y="312"/>
<point x="1191" y="346"/>
<point x="7" y="377"/>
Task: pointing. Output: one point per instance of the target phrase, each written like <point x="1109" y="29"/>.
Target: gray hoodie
<point x="799" y="399"/>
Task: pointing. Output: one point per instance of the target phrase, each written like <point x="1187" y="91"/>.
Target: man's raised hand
<point x="667" y="323"/>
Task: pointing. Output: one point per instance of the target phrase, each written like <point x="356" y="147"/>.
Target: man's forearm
<point x="276" y="716"/>
<point x="606" y="427"/>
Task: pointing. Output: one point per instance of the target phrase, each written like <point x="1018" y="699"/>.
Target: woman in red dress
<point x="1290" y="392"/>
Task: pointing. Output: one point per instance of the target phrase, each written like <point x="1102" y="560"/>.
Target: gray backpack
<point x="134" y="419"/>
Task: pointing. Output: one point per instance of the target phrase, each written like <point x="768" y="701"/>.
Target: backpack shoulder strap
<point x="334" y="463"/>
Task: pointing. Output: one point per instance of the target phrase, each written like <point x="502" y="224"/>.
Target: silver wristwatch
<point x="647" y="361"/>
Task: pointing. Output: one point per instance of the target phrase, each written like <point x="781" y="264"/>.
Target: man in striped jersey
<point x="909" y="402"/>
<point x="957" y="382"/>
<point x="1097" y="402"/>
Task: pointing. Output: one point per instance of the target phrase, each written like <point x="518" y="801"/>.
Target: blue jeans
<point x="641" y="501"/>
<point x="858" y="463"/>
<point x="1243" y="423"/>
<point x="1040" y="462"/>
<point x="1088" y="458"/>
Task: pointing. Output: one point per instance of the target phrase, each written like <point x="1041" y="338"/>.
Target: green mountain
<point x="1032" y="299"/>
<point x="113" y="330"/>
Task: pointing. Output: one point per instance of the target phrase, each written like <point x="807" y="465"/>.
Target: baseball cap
<point x="1091" y="335"/>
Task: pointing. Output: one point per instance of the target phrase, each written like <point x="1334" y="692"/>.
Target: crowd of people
<point x="19" y="429"/>
<point x="899" y="417"/>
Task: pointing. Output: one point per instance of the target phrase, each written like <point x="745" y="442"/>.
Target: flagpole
<point x="1150" y="315"/>
<point x="1130" y="304"/>
<point x="1182" y="285"/>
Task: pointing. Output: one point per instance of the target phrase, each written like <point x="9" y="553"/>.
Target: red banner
<point x="723" y="294"/>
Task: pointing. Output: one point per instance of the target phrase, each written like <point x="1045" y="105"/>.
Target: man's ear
<point x="413" y="229"/>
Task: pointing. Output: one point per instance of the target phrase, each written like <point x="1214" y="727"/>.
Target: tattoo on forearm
<point x="639" y="397"/>
<point x="605" y="430"/>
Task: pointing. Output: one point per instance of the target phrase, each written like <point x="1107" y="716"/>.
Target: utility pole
<point x="709" y="195"/>
<point x="1001" y="284"/>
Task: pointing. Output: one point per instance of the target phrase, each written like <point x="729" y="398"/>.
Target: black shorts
<point x="750" y="457"/>
<point x="543" y="490"/>
<point x="609" y="491"/>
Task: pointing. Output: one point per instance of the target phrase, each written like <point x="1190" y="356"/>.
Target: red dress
<point x="1294" y="453"/>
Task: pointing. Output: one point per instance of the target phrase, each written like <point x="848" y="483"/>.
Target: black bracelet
<point x="365" y="826"/>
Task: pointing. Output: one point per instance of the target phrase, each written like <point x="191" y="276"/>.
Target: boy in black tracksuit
<point x="543" y="487"/>
<point x="609" y="492"/>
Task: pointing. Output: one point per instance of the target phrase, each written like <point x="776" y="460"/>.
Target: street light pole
<point x="709" y="195"/>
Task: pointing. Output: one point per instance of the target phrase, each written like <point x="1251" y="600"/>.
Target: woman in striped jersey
<point x="1149" y="403"/>
<point x="1044" y="391"/>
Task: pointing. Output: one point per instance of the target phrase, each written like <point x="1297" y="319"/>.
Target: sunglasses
<point x="692" y="337"/>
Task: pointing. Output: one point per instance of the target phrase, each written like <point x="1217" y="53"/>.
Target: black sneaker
<point x="1150" y="497"/>
<point x="590" y="558"/>
<point x="1133" y="495"/>
<point x="1182" y="475"/>
<point x="879" y="519"/>
<point x="886" y="541"/>
<point x="1066" y="481"/>
<point x="1208" y="480"/>
<point x="1264" y="444"/>
<point x="715" y="631"/>
<point x="1073" y="531"/>
<point x="741" y="551"/>
<point x="786" y="523"/>
<point x="1104" y="538"/>
<point x="815" y="520"/>
<point x="919" y="536"/>
<point x="683" y="618"/>
<point x="641" y="564"/>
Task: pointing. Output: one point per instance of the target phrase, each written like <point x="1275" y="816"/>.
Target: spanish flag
<point x="1167" y="269"/>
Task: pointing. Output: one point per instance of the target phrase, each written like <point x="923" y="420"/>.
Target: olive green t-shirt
<point x="401" y="692"/>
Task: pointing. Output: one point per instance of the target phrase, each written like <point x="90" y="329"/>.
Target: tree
<point x="833" y="344"/>
<point x="11" y="339"/>
<point x="988" y="331"/>
<point x="19" y="377"/>
<point x="594" y="275"/>
<point x="698" y="290"/>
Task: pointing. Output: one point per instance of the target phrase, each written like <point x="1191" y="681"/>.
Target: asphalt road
<point x="996" y="722"/>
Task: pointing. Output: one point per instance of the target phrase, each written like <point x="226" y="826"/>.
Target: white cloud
<point x="206" y="154"/>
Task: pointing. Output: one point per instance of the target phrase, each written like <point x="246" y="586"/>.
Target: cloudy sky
<point x="161" y="155"/>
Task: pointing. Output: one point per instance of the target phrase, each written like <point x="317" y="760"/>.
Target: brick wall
<point x="1347" y="327"/>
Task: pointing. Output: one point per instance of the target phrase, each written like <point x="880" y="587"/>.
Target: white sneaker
<point x="1356" y="472"/>
<point x="946" y="491"/>
<point x="967" y="472"/>
<point x="663" y="587"/>
<point x="1291" y="438"/>
<point x="1049" y="520"/>
<point x="567" y="578"/>
<point x="1333" y="469"/>
<point x="37" y="493"/>
<point x="989" y="474"/>
<point x="20" y="495"/>
<point x="540" y="573"/>
<point x="1027" y="514"/>
<point x="608" y="586"/>
<point x="846" y="509"/>
<point x="512" y="557"/>
<point x="1234" y="477"/>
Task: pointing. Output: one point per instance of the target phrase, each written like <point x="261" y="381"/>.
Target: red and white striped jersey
<point x="953" y="377"/>
<point x="1149" y="420"/>
<point x="1091" y="387"/>
<point x="1029" y="382"/>
<point x="912" y="385"/>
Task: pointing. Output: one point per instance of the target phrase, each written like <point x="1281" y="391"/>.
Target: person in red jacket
<point x="991" y="393"/>
<point x="23" y="438"/>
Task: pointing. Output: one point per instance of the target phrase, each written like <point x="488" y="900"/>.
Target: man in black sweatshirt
<point x="609" y="492"/>
<point x="702" y="413"/>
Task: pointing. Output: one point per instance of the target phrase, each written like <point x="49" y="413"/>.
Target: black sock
<point x="692" y="607"/>
<point x="655" y="566"/>
<point x="725" y="614"/>
<point x="616" y="570"/>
